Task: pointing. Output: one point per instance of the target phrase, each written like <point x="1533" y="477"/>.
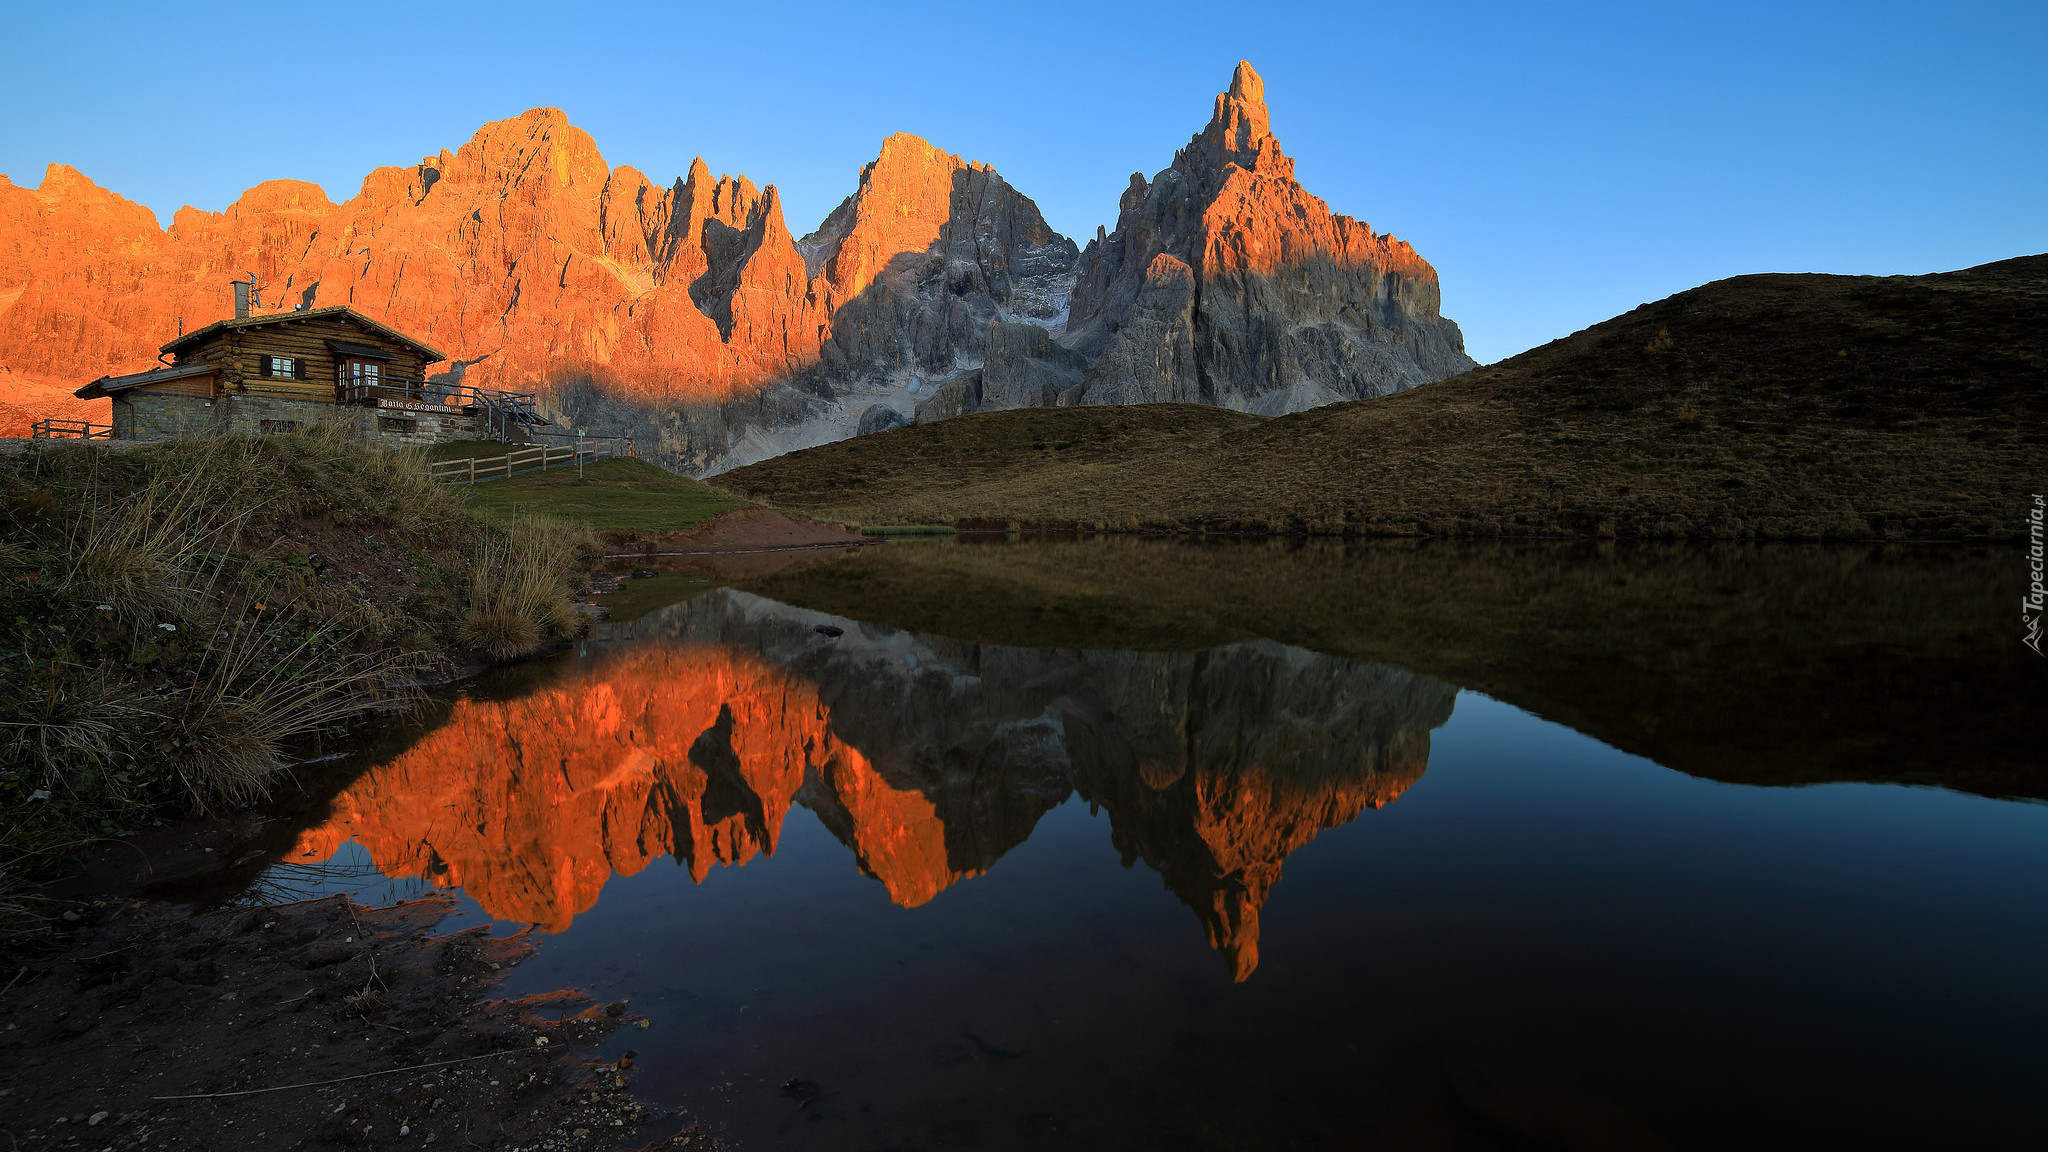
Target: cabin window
<point x="290" y="367"/>
<point x="397" y="424"/>
<point x="362" y="373"/>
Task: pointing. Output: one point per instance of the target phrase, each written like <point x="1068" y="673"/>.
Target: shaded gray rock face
<point x="1214" y="766"/>
<point x="1225" y="282"/>
<point x="1150" y="356"/>
<point x="881" y="418"/>
<point x="993" y="261"/>
<point x="1021" y="367"/>
<point x="958" y="395"/>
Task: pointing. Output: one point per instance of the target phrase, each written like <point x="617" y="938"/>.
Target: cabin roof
<point x="108" y="385"/>
<point x="338" y="312"/>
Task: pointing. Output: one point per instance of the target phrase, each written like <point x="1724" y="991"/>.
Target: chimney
<point x="242" y="299"/>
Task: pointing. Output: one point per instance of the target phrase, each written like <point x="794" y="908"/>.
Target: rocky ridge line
<point x="691" y="317"/>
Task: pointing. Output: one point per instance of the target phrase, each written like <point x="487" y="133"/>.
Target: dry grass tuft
<point x="519" y="593"/>
<point x="500" y="634"/>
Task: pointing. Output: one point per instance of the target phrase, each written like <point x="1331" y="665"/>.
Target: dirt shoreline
<point x="316" y="1025"/>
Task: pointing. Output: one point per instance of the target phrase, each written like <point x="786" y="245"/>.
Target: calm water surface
<point x="884" y="888"/>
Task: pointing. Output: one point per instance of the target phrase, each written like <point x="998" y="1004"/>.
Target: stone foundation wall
<point x="255" y="415"/>
<point x="164" y="416"/>
<point x="402" y="429"/>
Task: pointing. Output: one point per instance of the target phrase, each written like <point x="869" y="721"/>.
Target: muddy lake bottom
<point x="879" y="888"/>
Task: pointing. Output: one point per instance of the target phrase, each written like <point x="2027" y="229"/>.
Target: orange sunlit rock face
<point x="530" y="805"/>
<point x="521" y="251"/>
<point x="521" y="255"/>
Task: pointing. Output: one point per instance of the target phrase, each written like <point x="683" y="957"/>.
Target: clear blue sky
<point x="1558" y="163"/>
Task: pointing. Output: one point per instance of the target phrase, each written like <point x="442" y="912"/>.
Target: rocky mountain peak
<point x="1241" y="129"/>
<point x="1268" y="301"/>
<point x="281" y="196"/>
<point x="1246" y="85"/>
<point x="537" y="147"/>
<point x="902" y="205"/>
<point x="62" y="182"/>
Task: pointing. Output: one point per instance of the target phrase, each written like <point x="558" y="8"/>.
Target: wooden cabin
<point x="287" y="371"/>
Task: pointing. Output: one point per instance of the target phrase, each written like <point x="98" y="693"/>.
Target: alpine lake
<point x="1121" y="843"/>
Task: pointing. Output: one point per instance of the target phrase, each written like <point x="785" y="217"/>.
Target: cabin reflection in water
<point x="928" y="758"/>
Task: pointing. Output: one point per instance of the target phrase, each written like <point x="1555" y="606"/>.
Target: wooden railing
<point x="70" y="430"/>
<point x="539" y="458"/>
<point x="502" y="415"/>
<point x="392" y="388"/>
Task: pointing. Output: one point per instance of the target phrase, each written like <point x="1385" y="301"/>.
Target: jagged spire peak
<point x="1240" y="130"/>
<point x="1246" y="85"/>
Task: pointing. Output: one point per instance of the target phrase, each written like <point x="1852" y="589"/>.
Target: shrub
<point x="519" y="590"/>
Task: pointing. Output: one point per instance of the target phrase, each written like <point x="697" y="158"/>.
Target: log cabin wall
<point x="239" y="351"/>
<point x="206" y="387"/>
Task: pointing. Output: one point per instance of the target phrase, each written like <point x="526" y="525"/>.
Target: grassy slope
<point x="183" y="608"/>
<point x="1781" y="406"/>
<point x="1775" y="664"/>
<point x="612" y="494"/>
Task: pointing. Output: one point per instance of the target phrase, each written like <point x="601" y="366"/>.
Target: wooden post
<point x="472" y="469"/>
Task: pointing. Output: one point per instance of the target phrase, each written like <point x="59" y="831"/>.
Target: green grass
<point x="909" y="530"/>
<point x="620" y="494"/>
<point x="467" y="449"/>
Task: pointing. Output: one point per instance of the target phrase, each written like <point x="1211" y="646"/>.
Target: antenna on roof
<point x="247" y="296"/>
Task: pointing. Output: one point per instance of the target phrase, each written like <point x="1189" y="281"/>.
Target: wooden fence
<point x="538" y="458"/>
<point x="70" y="430"/>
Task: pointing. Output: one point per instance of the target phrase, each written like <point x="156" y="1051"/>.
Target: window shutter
<point x="299" y="368"/>
<point x="263" y="364"/>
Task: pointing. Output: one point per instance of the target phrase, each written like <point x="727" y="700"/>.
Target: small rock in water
<point x="95" y="1118"/>
<point x="831" y="630"/>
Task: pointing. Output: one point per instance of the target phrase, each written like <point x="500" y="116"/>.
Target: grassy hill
<point x="1773" y="407"/>
<point x="620" y="494"/>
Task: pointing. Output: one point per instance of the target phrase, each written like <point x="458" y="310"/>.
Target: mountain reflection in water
<point x="929" y="759"/>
